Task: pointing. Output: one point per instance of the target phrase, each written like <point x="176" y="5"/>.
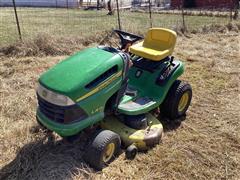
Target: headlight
<point x="54" y="98"/>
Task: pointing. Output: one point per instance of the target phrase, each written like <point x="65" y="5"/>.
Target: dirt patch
<point x="204" y="146"/>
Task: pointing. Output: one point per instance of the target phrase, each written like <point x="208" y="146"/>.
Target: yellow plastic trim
<point x="157" y="45"/>
<point x="132" y="136"/>
<point x="183" y="102"/>
<point x="101" y="86"/>
<point x="108" y="152"/>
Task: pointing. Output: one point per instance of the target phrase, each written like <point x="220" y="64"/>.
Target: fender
<point x="167" y="77"/>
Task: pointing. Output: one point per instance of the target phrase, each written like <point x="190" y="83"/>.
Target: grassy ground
<point x="204" y="146"/>
<point x="79" y="23"/>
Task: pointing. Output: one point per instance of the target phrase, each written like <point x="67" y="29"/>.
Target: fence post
<point x="67" y="4"/>
<point x="16" y="16"/>
<point x="235" y="16"/>
<point x="183" y="18"/>
<point x="98" y="5"/>
<point x="231" y="11"/>
<point x="119" y="22"/>
<point x="234" y="9"/>
<point x="150" y="12"/>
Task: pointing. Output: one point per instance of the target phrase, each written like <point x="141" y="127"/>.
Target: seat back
<point x="160" y="39"/>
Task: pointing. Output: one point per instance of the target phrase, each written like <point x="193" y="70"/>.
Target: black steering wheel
<point x="127" y="38"/>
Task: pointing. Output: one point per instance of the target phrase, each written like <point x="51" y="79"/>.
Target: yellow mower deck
<point x="142" y="139"/>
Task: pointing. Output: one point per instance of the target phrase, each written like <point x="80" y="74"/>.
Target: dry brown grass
<point x="47" y="45"/>
<point x="204" y="146"/>
<point x="190" y="12"/>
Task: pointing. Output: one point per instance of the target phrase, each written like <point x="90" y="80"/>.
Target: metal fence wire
<point x="71" y="18"/>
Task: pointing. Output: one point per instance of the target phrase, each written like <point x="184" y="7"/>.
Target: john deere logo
<point x="44" y="93"/>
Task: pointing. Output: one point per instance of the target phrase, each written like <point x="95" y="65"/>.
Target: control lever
<point x="171" y="60"/>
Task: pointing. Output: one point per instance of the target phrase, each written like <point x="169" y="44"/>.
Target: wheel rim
<point x="108" y="152"/>
<point x="183" y="102"/>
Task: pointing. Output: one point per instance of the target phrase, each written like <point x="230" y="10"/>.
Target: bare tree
<point x="109" y="7"/>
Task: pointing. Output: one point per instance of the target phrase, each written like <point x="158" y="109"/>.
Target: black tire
<point x="96" y="150"/>
<point x="71" y="139"/>
<point x="131" y="152"/>
<point x="170" y="106"/>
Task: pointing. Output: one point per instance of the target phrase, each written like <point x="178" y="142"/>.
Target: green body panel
<point x="69" y="129"/>
<point x="70" y="76"/>
<point x="96" y="102"/>
<point x="146" y="87"/>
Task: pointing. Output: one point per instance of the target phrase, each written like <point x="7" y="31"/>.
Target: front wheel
<point x="177" y="100"/>
<point x="131" y="152"/>
<point x="103" y="149"/>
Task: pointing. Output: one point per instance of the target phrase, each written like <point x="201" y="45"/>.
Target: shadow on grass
<point x="47" y="158"/>
<point x="171" y="125"/>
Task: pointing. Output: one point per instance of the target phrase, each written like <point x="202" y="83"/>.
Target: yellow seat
<point x="157" y="45"/>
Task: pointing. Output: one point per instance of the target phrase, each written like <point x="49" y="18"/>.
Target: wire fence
<point x="91" y="18"/>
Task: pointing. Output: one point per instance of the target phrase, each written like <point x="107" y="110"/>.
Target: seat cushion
<point x="149" y="53"/>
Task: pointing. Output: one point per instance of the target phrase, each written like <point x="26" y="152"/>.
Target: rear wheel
<point x="177" y="100"/>
<point x="102" y="149"/>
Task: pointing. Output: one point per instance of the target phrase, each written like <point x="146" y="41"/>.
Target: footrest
<point x="131" y="92"/>
<point x="139" y="103"/>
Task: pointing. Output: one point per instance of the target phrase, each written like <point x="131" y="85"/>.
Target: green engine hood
<point x="70" y="76"/>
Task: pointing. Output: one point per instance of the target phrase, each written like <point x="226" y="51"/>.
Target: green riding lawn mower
<point x="112" y="92"/>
